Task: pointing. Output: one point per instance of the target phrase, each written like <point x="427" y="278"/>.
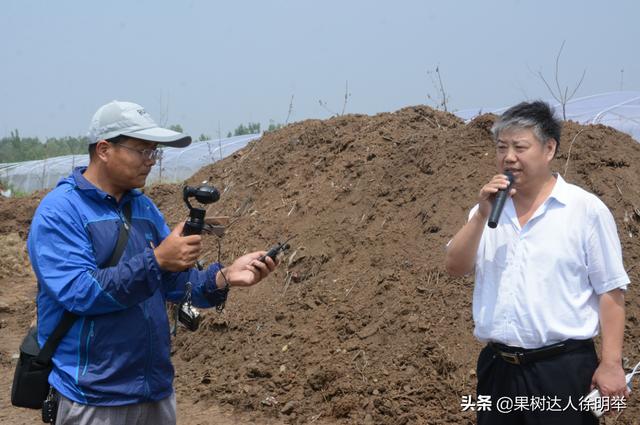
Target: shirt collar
<point x="559" y="193"/>
<point x="560" y="190"/>
<point x="81" y="181"/>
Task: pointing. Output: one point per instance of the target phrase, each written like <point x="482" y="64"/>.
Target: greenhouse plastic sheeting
<point x="620" y="110"/>
<point x="177" y="164"/>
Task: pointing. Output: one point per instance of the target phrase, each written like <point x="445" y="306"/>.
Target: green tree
<point x="250" y="128"/>
<point x="176" y="127"/>
<point x="273" y="126"/>
<point x="15" y="148"/>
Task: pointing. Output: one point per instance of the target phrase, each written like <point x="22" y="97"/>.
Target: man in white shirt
<point x="547" y="279"/>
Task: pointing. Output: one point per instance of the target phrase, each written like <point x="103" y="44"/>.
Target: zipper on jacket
<point x="125" y="223"/>
<point x="89" y="337"/>
<point x="150" y="356"/>
<point x="79" y="365"/>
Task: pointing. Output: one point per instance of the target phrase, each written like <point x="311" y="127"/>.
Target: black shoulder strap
<point x="123" y="236"/>
<point x="68" y="318"/>
<point x="44" y="357"/>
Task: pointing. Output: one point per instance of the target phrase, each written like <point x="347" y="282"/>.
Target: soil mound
<point x="360" y="324"/>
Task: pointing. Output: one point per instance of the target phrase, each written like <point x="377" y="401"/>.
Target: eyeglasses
<point x="147" y="154"/>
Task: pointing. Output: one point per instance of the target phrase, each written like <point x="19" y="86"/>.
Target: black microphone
<point x="498" y="202"/>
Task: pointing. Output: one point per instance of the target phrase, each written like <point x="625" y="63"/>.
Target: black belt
<point x="519" y="356"/>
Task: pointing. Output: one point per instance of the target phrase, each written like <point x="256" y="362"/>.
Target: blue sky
<point x="211" y="64"/>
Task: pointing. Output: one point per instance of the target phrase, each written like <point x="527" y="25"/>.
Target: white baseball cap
<point x="130" y="119"/>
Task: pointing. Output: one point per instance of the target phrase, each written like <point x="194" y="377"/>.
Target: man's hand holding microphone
<point x="493" y="196"/>
<point x="462" y="249"/>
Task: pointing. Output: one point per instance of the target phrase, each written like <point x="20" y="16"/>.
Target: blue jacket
<point x="118" y="351"/>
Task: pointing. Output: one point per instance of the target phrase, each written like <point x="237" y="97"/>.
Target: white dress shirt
<point x="540" y="284"/>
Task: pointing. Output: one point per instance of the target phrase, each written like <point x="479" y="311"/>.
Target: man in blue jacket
<point x="113" y="366"/>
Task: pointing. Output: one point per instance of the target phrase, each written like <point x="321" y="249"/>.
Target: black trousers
<point x="544" y="392"/>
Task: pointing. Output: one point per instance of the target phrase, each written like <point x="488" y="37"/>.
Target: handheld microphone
<point x="498" y="202"/>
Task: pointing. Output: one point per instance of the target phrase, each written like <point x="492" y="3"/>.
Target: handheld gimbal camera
<point x="186" y="314"/>
<point x="203" y="194"/>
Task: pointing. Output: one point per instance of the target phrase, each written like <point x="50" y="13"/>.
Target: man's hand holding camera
<point x="177" y="253"/>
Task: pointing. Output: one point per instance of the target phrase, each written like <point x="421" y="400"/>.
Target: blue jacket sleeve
<point x="204" y="291"/>
<point x="64" y="262"/>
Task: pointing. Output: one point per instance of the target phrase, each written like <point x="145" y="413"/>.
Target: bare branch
<point x="444" y="94"/>
<point x="346" y="97"/>
<point x="578" y="85"/>
<point x="561" y="96"/>
<point x="549" y="87"/>
<point x="566" y="164"/>
<point x="164" y="111"/>
<point x="325" y="107"/>
<point x="439" y="86"/>
<point x="557" y="67"/>
<point x="290" y="110"/>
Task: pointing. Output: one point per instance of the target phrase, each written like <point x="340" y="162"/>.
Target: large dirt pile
<point x="360" y="324"/>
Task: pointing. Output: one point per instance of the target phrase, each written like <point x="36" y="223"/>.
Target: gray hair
<point x="537" y="116"/>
